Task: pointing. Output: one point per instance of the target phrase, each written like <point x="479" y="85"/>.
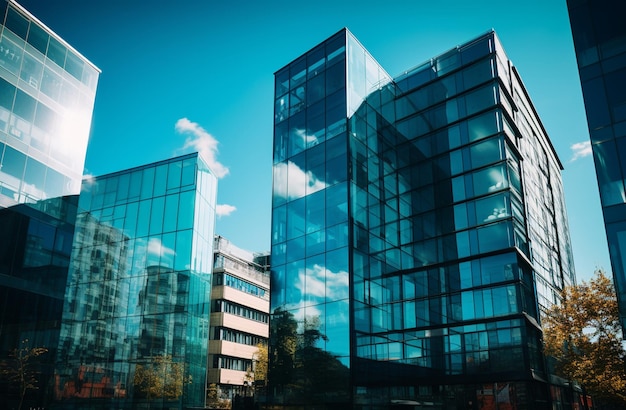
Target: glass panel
<point x="13" y="162"/>
<point x="74" y="65"/>
<point x="38" y="38"/>
<point x="10" y="55"/>
<point x="171" y="213"/>
<point x="188" y="172"/>
<point x="35" y="173"/>
<point x="185" y="210"/>
<point x="56" y="52"/>
<point x="183" y="250"/>
<point x="17" y="23"/>
<point x="173" y="175"/>
<point x="31" y="72"/>
<point x="156" y="217"/>
<point x="160" y="180"/>
<point x="147" y="183"/>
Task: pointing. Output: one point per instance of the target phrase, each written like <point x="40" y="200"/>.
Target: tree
<point x="21" y="368"/>
<point x="161" y="378"/>
<point x="584" y="335"/>
<point x="260" y="363"/>
<point x="213" y="399"/>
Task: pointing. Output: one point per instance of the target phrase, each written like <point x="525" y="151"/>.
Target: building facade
<point x="418" y="230"/>
<point x="239" y="317"/>
<point x="47" y="92"/>
<point x="136" y="316"/>
<point x="600" y="43"/>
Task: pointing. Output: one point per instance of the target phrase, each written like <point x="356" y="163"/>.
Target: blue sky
<point x="185" y="75"/>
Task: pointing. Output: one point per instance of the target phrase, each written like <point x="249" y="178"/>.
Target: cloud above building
<point x="580" y="150"/>
<point x="204" y="143"/>
<point x="224" y="210"/>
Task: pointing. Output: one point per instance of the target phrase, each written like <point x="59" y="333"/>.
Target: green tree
<point x="584" y="335"/>
<point x="21" y="368"/>
<point x="161" y="378"/>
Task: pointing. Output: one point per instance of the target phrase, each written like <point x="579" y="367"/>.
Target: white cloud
<point x="203" y="142"/>
<point x="155" y="247"/>
<point x="292" y="182"/>
<point x="224" y="210"/>
<point x="580" y="150"/>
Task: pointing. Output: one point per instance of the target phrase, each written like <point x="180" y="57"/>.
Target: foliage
<point x="213" y="399"/>
<point x="260" y="363"/>
<point x="299" y="367"/>
<point x="21" y="368"/>
<point x="584" y="335"/>
<point x="161" y="378"/>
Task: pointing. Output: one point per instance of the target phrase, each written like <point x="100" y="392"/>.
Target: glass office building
<point x="418" y="229"/>
<point x="600" y="42"/>
<point x="136" y="315"/>
<point x="47" y="92"/>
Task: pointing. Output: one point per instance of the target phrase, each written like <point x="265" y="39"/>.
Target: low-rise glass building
<point x="136" y="316"/>
<point x="418" y="230"/>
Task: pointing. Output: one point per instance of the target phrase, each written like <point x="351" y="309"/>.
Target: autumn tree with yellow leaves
<point x="162" y="378"/>
<point x="584" y="335"/>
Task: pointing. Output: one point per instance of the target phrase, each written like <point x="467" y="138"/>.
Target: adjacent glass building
<point x="418" y="230"/>
<point x="47" y="92"/>
<point x="600" y="41"/>
<point x="135" y="322"/>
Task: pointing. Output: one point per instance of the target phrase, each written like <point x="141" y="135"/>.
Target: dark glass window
<point x="24" y="106"/>
<point x="35" y="173"/>
<point x="74" y="65"/>
<point x="57" y="52"/>
<point x="17" y="23"/>
<point x="7" y="94"/>
<point x="38" y="38"/>
<point x="13" y="162"/>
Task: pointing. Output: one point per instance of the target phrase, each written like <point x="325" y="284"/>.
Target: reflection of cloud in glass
<point x="155" y="247"/>
<point x="298" y="181"/>
<point x="323" y="283"/>
<point x="309" y="140"/>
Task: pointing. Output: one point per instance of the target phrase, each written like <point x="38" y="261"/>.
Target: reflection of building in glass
<point x="599" y="36"/>
<point x="47" y="92"/>
<point x="418" y="229"/>
<point x="138" y="292"/>
<point x="239" y="317"/>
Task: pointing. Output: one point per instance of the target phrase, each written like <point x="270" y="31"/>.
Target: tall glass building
<point x="135" y="322"/>
<point x="600" y="41"/>
<point x="418" y="230"/>
<point x="47" y="92"/>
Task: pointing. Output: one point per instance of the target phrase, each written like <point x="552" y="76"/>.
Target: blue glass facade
<point x="600" y="42"/>
<point x="47" y="92"/>
<point x="418" y="229"/>
<point x="136" y="315"/>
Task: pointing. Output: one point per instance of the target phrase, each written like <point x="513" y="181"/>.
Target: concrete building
<point x="239" y="317"/>
<point x="418" y="230"/>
